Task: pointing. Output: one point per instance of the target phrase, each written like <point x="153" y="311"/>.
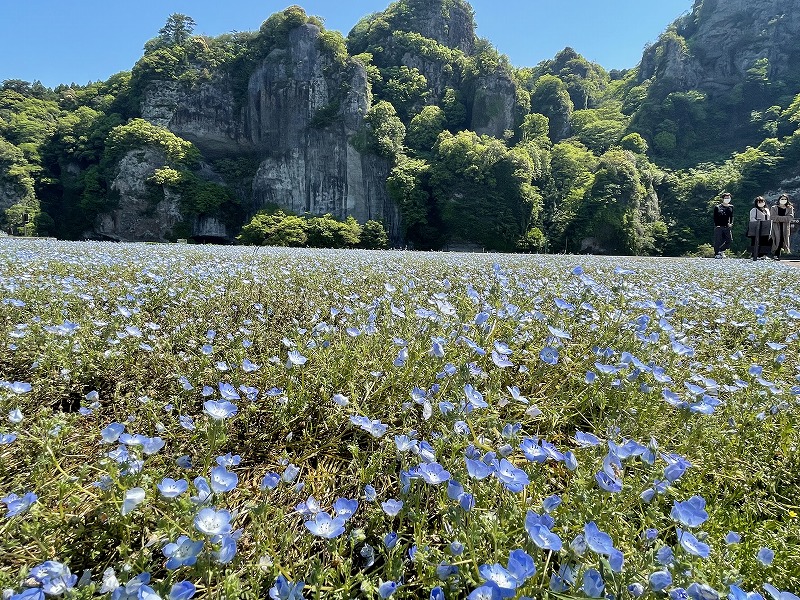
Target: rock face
<point x="726" y="39"/>
<point x="449" y="23"/>
<point x="494" y="107"/>
<point x="298" y="117"/>
<point x="137" y="217"/>
<point x="308" y="164"/>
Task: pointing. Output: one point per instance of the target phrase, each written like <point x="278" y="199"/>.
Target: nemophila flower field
<point x="234" y="423"/>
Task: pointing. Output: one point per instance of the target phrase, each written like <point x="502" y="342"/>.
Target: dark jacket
<point x="723" y="215"/>
<point x="782" y="226"/>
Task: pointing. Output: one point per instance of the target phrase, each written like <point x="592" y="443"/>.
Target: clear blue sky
<point x="64" y="41"/>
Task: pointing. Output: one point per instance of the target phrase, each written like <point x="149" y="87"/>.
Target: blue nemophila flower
<point x="249" y="367"/>
<point x="132" y="498"/>
<point x="501" y="577"/>
<point x="35" y="593"/>
<point x="390" y="540"/>
<point x="55" y="578"/>
<point x="636" y="589"/>
<point x="111" y="432"/>
<point x="20" y="387"/>
<point x="437" y="594"/>
<point x="203" y="491"/>
<point x="586" y="440"/>
<point x="608" y="482"/>
<point x="283" y="590"/>
<point x="387" y="588"/>
<point x="511" y="477"/>
<point x="17" y="505"/>
<point x="565" y="578"/>
<point x="593" y="584"/>
<point x="551" y="503"/>
<point x="701" y="591"/>
<point x="228" y="460"/>
<point x="777" y="594"/>
<point x="660" y="580"/>
<point x="186" y="422"/>
<point x="732" y="538"/>
<point x="691" y="513"/>
<point x="474" y="398"/>
<point x="676" y="467"/>
<point x="207" y="391"/>
<point x="488" y="591"/>
<point x="325" y="526"/>
<point x="433" y="473"/>
<point x="601" y="543"/>
<point x="549" y="355"/>
<point x="370" y="493"/>
<point x="765" y="556"/>
<point x="345" y="507"/>
<point x="219" y="410"/>
<point x="227" y="547"/>
<point x="213" y="522"/>
<point x="7" y="438"/>
<point x="538" y="528"/>
<point x="295" y="359"/>
<point x="182" y="552"/>
<point x="521" y="565"/>
<point x="223" y="480"/>
<point x="183" y="590"/>
<point x="478" y="469"/>
<point x="692" y="545"/>
<point x="228" y="392"/>
<point x="15" y="416"/>
<point x="665" y="556"/>
<point x="392" y="507"/>
<point x="171" y="488"/>
<point x="270" y="481"/>
<point x="374" y="427"/>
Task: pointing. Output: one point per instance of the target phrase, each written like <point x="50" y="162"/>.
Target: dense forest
<point x="561" y="157"/>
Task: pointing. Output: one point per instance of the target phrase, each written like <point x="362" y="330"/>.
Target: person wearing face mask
<point x="759" y="229"/>
<point x="782" y="215"/>
<point x="723" y="221"/>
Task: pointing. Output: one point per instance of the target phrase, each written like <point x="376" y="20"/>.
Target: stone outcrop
<point x="297" y="118"/>
<point x="494" y="106"/>
<point x="726" y="39"/>
<point x="137" y="216"/>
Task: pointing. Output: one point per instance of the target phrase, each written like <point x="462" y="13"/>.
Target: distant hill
<point x="414" y="121"/>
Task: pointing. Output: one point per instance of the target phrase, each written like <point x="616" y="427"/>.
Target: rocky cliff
<point x="300" y="113"/>
<point x="722" y="43"/>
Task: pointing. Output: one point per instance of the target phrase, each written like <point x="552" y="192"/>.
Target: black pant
<point x="779" y="240"/>
<point x="722" y="239"/>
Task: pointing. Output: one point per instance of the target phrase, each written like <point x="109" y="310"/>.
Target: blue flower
<point x="777" y="594"/>
<point x="17" y="505"/>
<point x="608" y="483"/>
<point x="345" y="507"/>
<point x="474" y="398"/>
<point x="182" y="552"/>
<point x="488" y="591"/>
<point x="733" y="538"/>
<point x="660" y="580"/>
<point x="370" y="493"/>
<point x="593" y="584"/>
<point x="501" y="577"/>
<point x="171" y="488"/>
<point x="701" y="591"/>
<point x="213" y="522"/>
<point x="392" y="507"/>
<point x="478" y="469"/>
<point x="511" y="477"/>
<point x="549" y="355"/>
<point x="521" y="565"/>
<point x="387" y="588"/>
<point x="324" y="526"/>
<point x="692" y="545"/>
<point x="270" y="481"/>
<point x="437" y="594"/>
<point x="283" y="590"/>
<point x="765" y="556"/>
<point x="565" y="578"/>
<point x="223" y="480"/>
<point x="227" y="548"/>
<point x="691" y="513"/>
<point x="228" y="392"/>
<point x="390" y="540"/>
<point x="219" y="410"/>
<point x="183" y="590"/>
<point x="538" y="528"/>
<point x="665" y="556"/>
<point x="132" y="498"/>
<point x="433" y="473"/>
<point x="111" y="432"/>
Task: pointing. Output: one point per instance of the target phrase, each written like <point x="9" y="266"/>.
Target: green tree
<point x="550" y="97"/>
<point x="373" y="236"/>
<point x="425" y="128"/>
<point x="385" y="132"/>
<point x="177" y="30"/>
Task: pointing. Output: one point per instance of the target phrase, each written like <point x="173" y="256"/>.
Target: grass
<point x="129" y="321"/>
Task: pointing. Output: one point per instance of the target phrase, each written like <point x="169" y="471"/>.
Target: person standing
<point x="723" y="221"/>
<point x="782" y="215"/>
<point x="759" y="229"/>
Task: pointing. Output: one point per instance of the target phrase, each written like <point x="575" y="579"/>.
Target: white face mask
<point x="783" y="201"/>
<point x="760" y="205"/>
<point x="726" y="200"/>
